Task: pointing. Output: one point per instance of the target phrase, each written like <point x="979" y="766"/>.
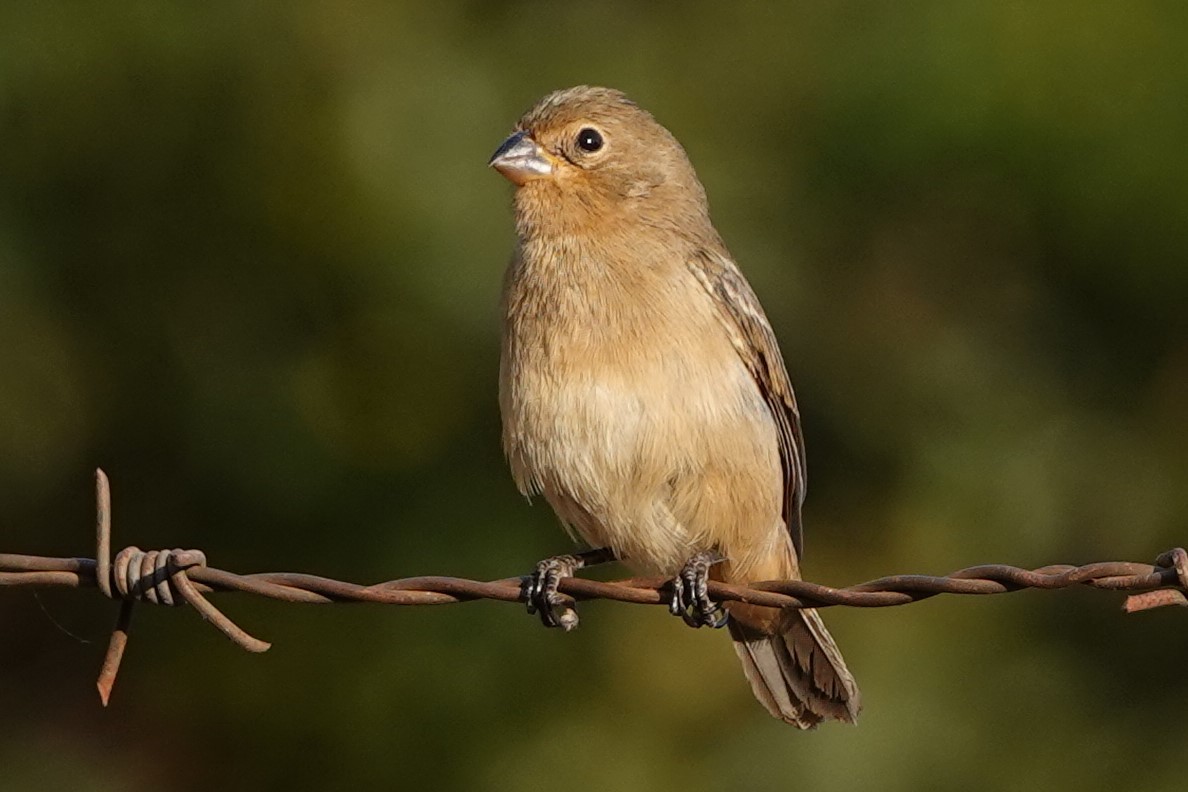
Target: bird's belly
<point x="656" y="457"/>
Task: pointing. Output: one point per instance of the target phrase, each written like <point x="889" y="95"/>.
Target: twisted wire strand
<point x="176" y="577"/>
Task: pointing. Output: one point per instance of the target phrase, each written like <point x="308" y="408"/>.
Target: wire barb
<point x="176" y="577"/>
<point x="1176" y="559"/>
<point x="158" y="577"/>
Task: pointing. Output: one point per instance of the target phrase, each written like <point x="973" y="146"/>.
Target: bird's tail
<point x="794" y="667"/>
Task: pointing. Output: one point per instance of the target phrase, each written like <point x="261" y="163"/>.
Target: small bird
<point x="643" y="393"/>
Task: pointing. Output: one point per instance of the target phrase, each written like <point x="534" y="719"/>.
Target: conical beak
<point x="521" y="159"/>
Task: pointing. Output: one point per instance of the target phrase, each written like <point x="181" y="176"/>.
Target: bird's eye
<point x="589" y="140"/>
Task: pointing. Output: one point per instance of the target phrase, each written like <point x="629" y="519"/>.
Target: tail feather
<point x="796" y="670"/>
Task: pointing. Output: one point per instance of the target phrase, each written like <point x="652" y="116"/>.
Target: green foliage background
<point x="249" y="263"/>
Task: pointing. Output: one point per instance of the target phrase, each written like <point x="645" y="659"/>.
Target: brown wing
<point x="743" y="318"/>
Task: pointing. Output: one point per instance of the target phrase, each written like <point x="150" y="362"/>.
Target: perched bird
<point x="643" y="393"/>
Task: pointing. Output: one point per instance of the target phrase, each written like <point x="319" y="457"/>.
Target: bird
<point x="643" y="394"/>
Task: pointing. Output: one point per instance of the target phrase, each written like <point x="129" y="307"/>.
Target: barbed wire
<point x="176" y="577"/>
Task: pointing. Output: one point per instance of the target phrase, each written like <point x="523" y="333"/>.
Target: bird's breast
<point x="616" y="388"/>
<point x="615" y="367"/>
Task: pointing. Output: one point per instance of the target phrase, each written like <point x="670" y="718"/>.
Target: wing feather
<point x="751" y="333"/>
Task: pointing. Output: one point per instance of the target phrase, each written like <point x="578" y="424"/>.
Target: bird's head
<point x="584" y="155"/>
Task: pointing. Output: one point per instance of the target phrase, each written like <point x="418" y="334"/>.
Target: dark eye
<point x="589" y="140"/>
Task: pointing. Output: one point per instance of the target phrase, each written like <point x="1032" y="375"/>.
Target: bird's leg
<point x="690" y="593"/>
<point x="540" y="588"/>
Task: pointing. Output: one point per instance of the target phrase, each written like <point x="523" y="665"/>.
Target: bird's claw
<point x="690" y="594"/>
<point x="543" y="598"/>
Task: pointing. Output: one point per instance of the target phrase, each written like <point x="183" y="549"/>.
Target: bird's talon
<point x="690" y="594"/>
<point x="676" y="605"/>
<point x="542" y="598"/>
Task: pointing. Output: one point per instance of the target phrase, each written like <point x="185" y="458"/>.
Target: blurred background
<point x="250" y="257"/>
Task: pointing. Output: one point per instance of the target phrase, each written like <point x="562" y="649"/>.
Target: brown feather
<point x="642" y="390"/>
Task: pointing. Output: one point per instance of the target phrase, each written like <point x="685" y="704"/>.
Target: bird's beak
<point x="521" y="159"/>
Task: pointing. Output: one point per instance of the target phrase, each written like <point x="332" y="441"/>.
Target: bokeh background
<point x="249" y="263"/>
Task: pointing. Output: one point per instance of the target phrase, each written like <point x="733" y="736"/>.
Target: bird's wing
<point x="749" y="330"/>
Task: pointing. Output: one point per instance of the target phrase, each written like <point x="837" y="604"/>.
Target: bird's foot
<point x="690" y="594"/>
<point x="540" y="588"/>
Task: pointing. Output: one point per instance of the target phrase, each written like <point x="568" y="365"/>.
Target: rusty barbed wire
<point x="176" y="577"/>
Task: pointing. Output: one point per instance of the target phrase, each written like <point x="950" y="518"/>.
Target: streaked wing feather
<point x="744" y="320"/>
